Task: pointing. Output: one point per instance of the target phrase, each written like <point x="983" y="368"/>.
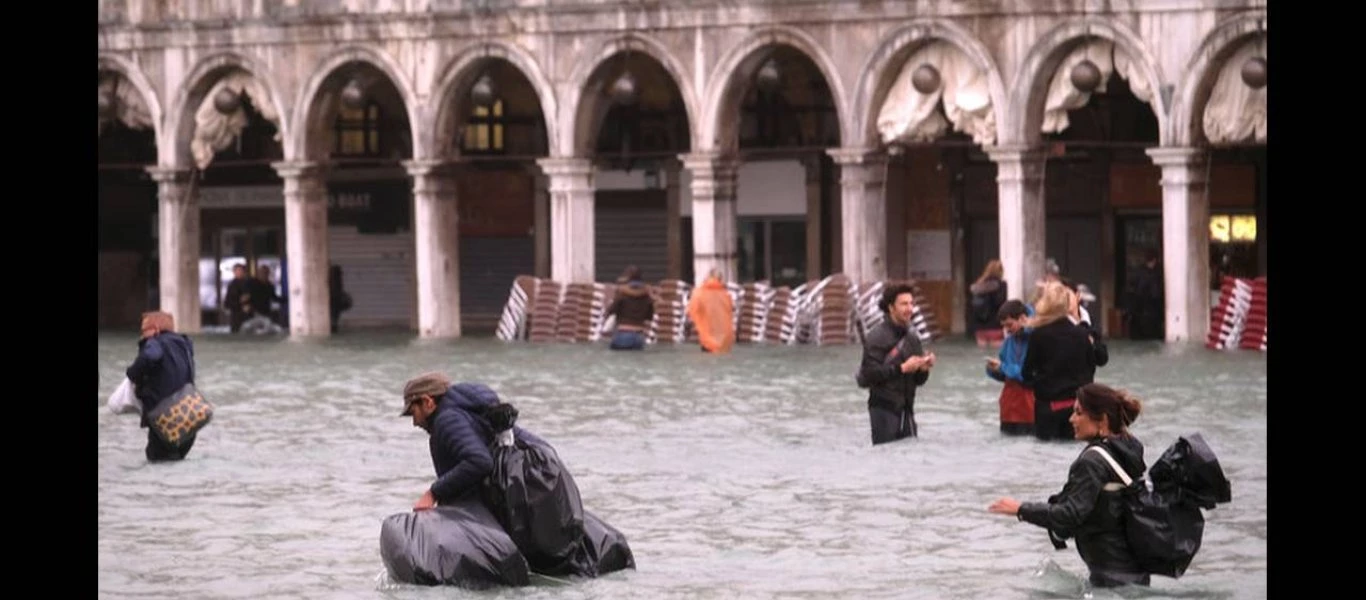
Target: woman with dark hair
<point x="165" y="363"/>
<point x="634" y="309"/>
<point x="1089" y="508"/>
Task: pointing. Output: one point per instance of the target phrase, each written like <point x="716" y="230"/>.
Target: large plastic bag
<point x="458" y="544"/>
<point x="601" y="550"/>
<point x="1164" y="524"/>
<point x="531" y="492"/>
<point x="124" y="399"/>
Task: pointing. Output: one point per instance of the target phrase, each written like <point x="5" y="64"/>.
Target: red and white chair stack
<point x="1238" y="320"/>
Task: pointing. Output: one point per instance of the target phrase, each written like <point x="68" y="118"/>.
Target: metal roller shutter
<point x="377" y="270"/>
<point x="631" y="229"/>
<point x="488" y="266"/>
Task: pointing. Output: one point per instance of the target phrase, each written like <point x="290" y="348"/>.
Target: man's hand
<point x="426" y="502"/>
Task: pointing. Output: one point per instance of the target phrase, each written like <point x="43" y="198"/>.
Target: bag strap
<point x="1113" y="465"/>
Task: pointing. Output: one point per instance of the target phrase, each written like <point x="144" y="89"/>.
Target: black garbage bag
<point x="531" y="492"/>
<point x="601" y="550"/>
<point x="459" y="544"/>
<point x="1190" y="471"/>
<point x="1165" y="523"/>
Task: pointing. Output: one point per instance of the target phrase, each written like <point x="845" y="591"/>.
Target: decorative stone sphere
<point x="925" y="79"/>
<point x="1086" y="76"/>
<point x="482" y="93"/>
<point x="624" y="90"/>
<point x="106" y="105"/>
<point x="227" y="101"/>
<point x="768" y="77"/>
<point x="353" y="95"/>
<point x="1254" y="72"/>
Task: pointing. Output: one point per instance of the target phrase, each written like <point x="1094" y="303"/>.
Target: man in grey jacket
<point x="894" y="365"/>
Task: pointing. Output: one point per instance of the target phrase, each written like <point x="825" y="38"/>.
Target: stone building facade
<point x="445" y="146"/>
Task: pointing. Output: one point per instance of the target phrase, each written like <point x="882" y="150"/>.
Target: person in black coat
<point x="1061" y="357"/>
<point x="460" y="436"/>
<point x="894" y="364"/>
<point x="1089" y="508"/>
<point x="1145" y="302"/>
<point x="237" y="299"/>
<point x="165" y="363"/>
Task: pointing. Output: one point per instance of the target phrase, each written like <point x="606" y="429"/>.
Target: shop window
<point x="484" y="129"/>
<point x="1226" y="229"/>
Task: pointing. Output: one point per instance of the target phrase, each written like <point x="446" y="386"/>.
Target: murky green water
<point x="741" y="476"/>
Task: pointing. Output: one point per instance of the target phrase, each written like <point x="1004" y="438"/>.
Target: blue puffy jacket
<point x="461" y="438"/>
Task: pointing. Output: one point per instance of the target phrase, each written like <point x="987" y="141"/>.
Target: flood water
<point x="742" y="476"/>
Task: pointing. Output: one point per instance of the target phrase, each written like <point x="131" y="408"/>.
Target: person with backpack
<point x="459" y="435"/>
<point x="1090" y="507"/>
<point x="894" y="364"/>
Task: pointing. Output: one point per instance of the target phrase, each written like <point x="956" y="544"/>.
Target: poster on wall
<point x="929" y="254"/>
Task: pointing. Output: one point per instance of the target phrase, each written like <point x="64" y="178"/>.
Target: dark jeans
<point x="158" y="450"/>
<point x="235" y="321"/>
<point x="891" y="425"/>
<point x="628" y="340"/>
<point x="1052" y="424"/>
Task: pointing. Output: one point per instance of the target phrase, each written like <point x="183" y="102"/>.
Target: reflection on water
<point x="741" y="476"/>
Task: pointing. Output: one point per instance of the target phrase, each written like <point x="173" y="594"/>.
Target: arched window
<point x="484" y="129"/>
<point x="358" y="131"/>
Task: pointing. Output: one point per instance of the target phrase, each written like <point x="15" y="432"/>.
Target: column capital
<point x="858" y="156"/>
<point x="565" y="165"/>
<point x="715" y="160"/>
<point x="1169" y="156"/>
<point x="429" y="167"/>
<point x="1015" y="153"/>
<point x="164" y="174"/>
<point x="299" y="169"/>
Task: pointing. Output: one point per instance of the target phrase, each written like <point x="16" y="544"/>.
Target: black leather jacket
<point x="880" y="370"/>
<point x="1093" y="516"/>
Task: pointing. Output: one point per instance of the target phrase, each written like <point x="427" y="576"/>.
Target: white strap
<point x="1113" y="465"/>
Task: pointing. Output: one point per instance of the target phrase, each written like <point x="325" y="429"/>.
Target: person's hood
<point x="1128" y="452"/>
<point x="633" y="288"/>
<point x="472" y="397"/>
<point x="713" y="284"/>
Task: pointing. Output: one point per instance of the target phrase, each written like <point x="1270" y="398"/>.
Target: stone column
<point x="814" y="185"/>
<point x="863" y="213"/>
<point x="713" y="213"/>
<point x="1185" y="241"/>
<point x="572" y="232"/>
<point x="436" y="236"/>
<point x="540" y="209"/>
<point x="672" y="172"/>
<point x="178" y="247"/>
<point x="1020" y="216"/>
<point x="306" y="247"/>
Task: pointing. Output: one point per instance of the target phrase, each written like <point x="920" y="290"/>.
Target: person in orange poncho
<point x="713" y="314"/>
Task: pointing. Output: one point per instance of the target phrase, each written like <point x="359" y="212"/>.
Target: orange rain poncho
<point x="713" y="314"/>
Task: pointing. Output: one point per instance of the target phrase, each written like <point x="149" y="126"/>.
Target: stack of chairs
<point x="1229" y="314"/>
<point x="752" y="311"/>
<point x="512" y="324"/>
<point x="1254" y="324"/>
<point x="545" y="309"/>
<point x="780" y="322"/>
<point x="598" y="301"/>
<point x="671" y="303"/>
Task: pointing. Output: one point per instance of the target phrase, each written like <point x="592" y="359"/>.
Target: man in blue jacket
<point x="460" y="436"/>
<point x="1017" y="400"/>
